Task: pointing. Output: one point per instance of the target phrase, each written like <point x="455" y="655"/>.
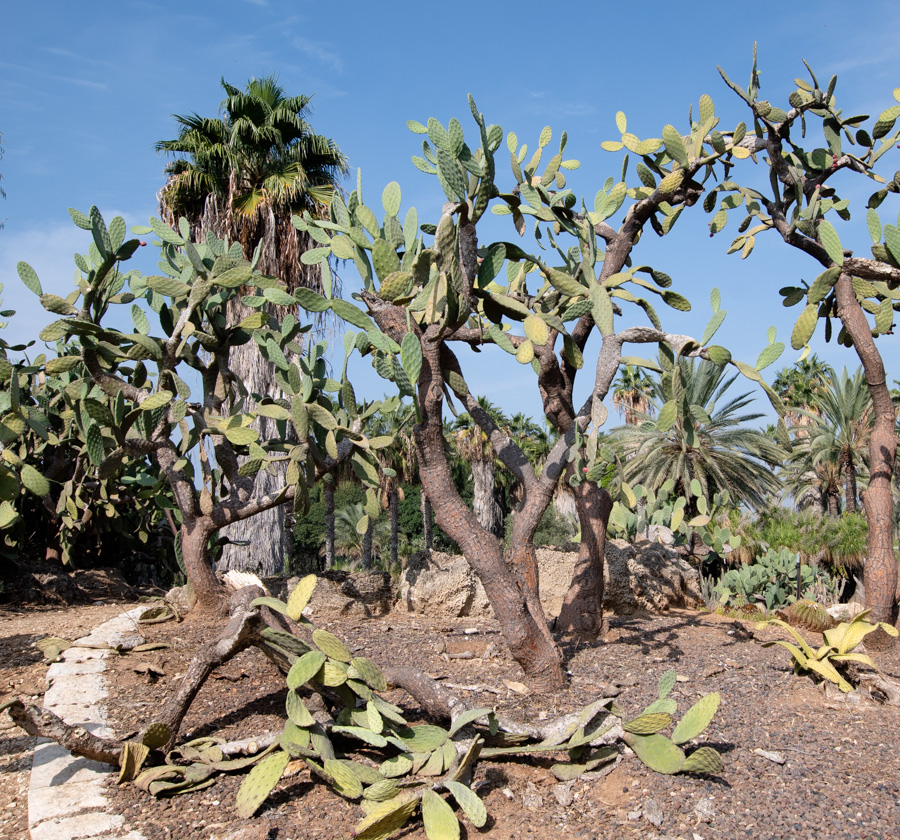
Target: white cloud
<point x="319" y="52"/>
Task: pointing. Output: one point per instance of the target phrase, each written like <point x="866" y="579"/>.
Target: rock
<point x="705" y="809"/>
<point x="342" y="594"/>
<point x="437" y="584"/>
<point x="182" y="598"/>
<point x="653" y="812"/>
<point x="661" y="534"/>
<point x="643" y="577"/>
<point x="648" y="576"/>
<point x="562" y="793"/>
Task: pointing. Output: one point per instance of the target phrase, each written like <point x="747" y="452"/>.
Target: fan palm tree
<point x="241" y="176"/>
<point x="708" y="441"/>
<point x="631" y="395"/>
<point x="840" y="433"/>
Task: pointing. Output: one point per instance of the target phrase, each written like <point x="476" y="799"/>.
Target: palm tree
<point x="473" y="446"/>
<point x="241" y="176"/>
<point x="810" y="482"/>
<point x="799" y="385"/>
<point x="707" y="442"/>
<point x="839" y="434"/>
<point x="631" y="395"/>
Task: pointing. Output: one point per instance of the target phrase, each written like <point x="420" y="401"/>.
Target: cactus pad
<point x="657" y="752"/>
<point x="156" y="735"/>
<point x="697" y="718"/>
<point x="331" y="645"/>
<point x="382" y="791"/>
<point x="305" y="668"/>
<point x="345" y="781"/>
<point x="440" y="821"/>
<point x="297" y="712"/>
<point x="647" y="724"/>
<point x="703" y="760"/>
<point x="369" y="672"/>
<point x="260" y="782"/>
<point x="300" y="597"/>
<point x="469" y="801"/>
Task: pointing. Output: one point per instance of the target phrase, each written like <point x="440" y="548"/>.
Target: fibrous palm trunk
<point x="484" y="504"/>
<point x="367" y="546"/>
<point x="395" y="526"/>
<point x="328" y="492"/>
<point x="266" y="537"/>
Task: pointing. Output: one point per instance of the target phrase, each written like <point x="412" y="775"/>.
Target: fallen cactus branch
<point x="336" y="716"/>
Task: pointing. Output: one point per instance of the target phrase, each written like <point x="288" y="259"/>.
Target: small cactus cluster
<point x="665" y="754"/>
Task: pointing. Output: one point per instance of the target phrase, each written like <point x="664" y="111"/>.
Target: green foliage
<point x="804" y="193"/>
<point x="837" y="542"/>
<point x="840" y="643"/>
<point x="772" y="581"/>
<point x="128" y="393"/>
<point x="699" y="434"/>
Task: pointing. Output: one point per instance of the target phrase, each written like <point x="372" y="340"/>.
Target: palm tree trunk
<point x="367" y="545"/>
<point x="833" y="502"/>
<point x="266" y="537"/>
<point x="328" y="491"/>
<point x="849" y="473"/>
<point x="427" y="520"/>
<point x="484" y="505"/>
<point x="395" y="530"/>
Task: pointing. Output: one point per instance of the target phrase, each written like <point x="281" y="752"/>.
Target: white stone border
<point x="67" y="796"/>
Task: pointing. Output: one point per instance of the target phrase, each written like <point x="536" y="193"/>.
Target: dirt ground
<point x="840" y="776"/>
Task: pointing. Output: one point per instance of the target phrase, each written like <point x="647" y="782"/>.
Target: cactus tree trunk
<point x="881" y="564"/>
<point x="582" y="609"/>
<point x="195" y="534"/>
<point x="530" y="643"/>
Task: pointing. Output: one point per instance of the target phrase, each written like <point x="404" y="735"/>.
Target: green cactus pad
<point x="397" y="766"/>
<point x="369" y="672"/>
<point x="362" y="734"/>
<point x="657" y="752"/>
<point x="386" y="819"/>
<point x="334" y="674"/>
<point x="647" y="724"/>
<point x="297" y="712"/>
<point x="422" y="738"/>
<point x="667" y="683"/>
<point x="345" y="781"/>
<point x="331" y="645"/>
<point x="440" y="821"/>
<point x="697" y="718"/>
<point x="470" y="803"/>
<point x="667" y="705"/>
<point x="156" y="735"/>
<point x="260" y="782"/>
<point x="365" y="773"/>
<point x="703" y="760"/>
<point x="382" y="791"/>
<point x="300" y="597"/>
<point x="305" y="668"/>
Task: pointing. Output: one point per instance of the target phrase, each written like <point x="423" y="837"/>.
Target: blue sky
<point x="86" y="90"/>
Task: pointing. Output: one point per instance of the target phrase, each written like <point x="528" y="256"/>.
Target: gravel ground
<point x="840" y="777"/>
